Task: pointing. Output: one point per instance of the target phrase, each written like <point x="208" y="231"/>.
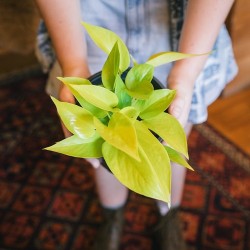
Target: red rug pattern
<point x="48" y="201"/>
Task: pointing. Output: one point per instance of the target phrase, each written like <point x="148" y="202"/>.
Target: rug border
<point x="226" y="146"/>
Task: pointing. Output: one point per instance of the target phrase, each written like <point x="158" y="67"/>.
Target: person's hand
<point x="180" y="107"/>
<point x="182" y="78"/>
<point x="65" y="96"/>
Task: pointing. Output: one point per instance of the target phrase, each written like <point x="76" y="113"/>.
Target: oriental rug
<point x="48" y="201"/>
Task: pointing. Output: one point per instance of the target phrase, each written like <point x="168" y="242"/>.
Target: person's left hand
<point x="180" y="107"/>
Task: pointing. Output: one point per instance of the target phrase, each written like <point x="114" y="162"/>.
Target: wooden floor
<point x="231" y="117"/>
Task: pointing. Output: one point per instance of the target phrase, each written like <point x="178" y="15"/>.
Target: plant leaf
<point x="142" y="92"/>
<point x="76" y="119"/>
<point x="130" y="111"/>
<point x="97" y="96"/>
<point x="111" y="68"/>
<point x="69" y="81"/>
<point x="138" y="81"/>
<point x="177" y="158"/>
<point x="138" y="104"/>
<point x="120" y="133"/>
<point x="170" y="130"/>
<point x="124" y="98"/>
<point x="77" y="147"/>
<point x="74" y="80"/>
<point x="157" y="103"/>
<point x="167" y="57"/>
<point x="138" y="75"/>
<point x="151" y="176"/>
<point x="105" y="40"/>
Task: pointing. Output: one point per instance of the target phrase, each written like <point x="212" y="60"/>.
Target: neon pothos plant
<point x="115" y="119"/>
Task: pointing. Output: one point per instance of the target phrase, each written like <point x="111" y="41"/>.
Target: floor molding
<point x="21" y="74"/>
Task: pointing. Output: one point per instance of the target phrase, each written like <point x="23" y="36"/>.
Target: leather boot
<point x="109" y="234"/>
<point x="167" y="234"/>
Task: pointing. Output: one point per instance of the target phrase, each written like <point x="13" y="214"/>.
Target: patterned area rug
<point x="48" y="201"/>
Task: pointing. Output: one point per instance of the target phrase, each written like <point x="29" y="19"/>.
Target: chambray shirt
<point x="142" y="24"/>
<point x="148" y="27"/>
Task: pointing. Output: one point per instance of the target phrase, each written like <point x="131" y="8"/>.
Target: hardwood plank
<point x="231" y="117"/>
<point x="238" y="24"/>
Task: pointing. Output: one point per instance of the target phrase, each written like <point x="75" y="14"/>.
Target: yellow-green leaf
<point x="167" y="57"/>
<point x="97" y="96"/>
<point x="170" y="130"/>
<point x="105" y="40"/>
<point x="138" y="81"/>
<point x="71" y="81"/>
<point x="157" y="103"/>
<point x="78" y="147"/>
<point x="111" y="68"/>
<point x="74" y="80"/>
<point x="138" y="75"/>
<point x="124" y="98"/>
<point x="76" y="119"/>
<point x="120" y="133"/>
<point x="142" y="92"/>
<point x="130" y="111"/>
<point x="177" y="158"/>
<point x="151" y="176"/>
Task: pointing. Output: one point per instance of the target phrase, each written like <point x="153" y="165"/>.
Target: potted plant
<point x="120" y="116"/>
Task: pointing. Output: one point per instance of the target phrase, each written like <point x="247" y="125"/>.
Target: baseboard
<point x="20" y="74"/>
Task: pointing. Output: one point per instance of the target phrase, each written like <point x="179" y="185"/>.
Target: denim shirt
<point x="148" y="27"/>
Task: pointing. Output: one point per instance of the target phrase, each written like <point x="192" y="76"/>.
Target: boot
<point x="109" y="234"/>
<point x="167" y="234"/>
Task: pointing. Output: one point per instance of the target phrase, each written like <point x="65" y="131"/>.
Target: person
<point x="147" y="27"/>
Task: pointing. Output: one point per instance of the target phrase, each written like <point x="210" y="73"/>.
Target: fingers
<point x="66" y="96"/>
<point x="180" y="107"/>
<point x="65" y="131"/>
<point x="177" y="107"/>
<point x="180" y="110"/>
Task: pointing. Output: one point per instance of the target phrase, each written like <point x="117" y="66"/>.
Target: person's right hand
<point x="66" y="96"/>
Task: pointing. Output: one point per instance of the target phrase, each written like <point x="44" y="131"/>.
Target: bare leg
<point x="112" y="193"/>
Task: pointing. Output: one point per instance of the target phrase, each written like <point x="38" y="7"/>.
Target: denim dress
<point x="147" y="27"/>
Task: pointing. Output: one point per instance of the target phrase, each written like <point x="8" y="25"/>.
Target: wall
<point x="18" y="26"/>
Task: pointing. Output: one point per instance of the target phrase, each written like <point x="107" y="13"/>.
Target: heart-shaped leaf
<point x="97" y="96"/>
<point x="120" y="133"/>
<point x="157" y="103"/>
<point x="105" y="40"/>
<point x="77" y="147"/>
<point x="142" y="92"/>
<point x="76" y="119"/>
<point x="138" y="75"/>
<point x="74" y="80"/>
<point x="138" y="81"/>
<point x="138" y="104"/>
<point x="71" y="81"/>
<point x="167" y="57"/>
<point x="120" y="91"/>
<point x="170" y="130"/>
<point x="131" y="112"/>
<point x="151" y="176"/>
<point x="177" y="158"/>
<point x="111" y="68"/>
